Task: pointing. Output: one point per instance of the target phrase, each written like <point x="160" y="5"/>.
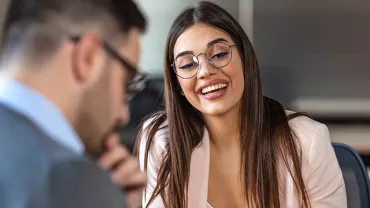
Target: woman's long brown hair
<point x="266" y="138"/>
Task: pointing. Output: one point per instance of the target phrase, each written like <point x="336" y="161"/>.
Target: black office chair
<point x="355" y="176"/>
<point x="148" y="101"/>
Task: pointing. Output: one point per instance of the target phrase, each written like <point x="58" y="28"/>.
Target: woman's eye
<point x="220" y="55"/>
<point x="188" y="66"/>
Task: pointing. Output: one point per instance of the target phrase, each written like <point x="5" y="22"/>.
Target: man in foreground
<point x="67" y="69"/>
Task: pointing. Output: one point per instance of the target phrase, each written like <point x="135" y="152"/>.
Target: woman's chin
<point x="223" y="109"/>
<point x="215" y="110"/>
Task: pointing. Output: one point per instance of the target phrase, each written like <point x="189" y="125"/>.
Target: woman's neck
<point x="224" y="130"/>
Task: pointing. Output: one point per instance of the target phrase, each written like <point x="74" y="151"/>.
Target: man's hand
<point x="125" y="171"/>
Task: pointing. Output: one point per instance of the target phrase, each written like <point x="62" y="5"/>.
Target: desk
<point x="356" y="136"/>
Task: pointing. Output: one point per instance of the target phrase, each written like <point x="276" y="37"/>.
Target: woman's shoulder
<point x="320" y="169"/>
<point x="312" y="135"/>
<point x="304" y="125"/>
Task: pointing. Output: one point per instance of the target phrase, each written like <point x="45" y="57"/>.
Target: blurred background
<point x="314" y="57"/>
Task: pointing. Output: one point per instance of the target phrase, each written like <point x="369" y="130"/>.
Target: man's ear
<point x="87" y="57"/>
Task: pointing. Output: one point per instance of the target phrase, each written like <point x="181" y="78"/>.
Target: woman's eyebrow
<point x="217" y="40"/>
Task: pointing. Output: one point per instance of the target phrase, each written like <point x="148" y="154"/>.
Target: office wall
<point x="3" y="6"/>
<point x="245" y="16"/>
<point x="318" y="49"/>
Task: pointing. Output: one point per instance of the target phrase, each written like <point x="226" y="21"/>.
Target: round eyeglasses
<point x="186" y="65"/>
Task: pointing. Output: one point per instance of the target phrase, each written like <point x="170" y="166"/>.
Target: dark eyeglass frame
<point x="173" y="65"/>
<point x="135" y="76"/>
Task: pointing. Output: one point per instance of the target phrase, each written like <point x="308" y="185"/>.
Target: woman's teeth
<point x="213" y="88"/>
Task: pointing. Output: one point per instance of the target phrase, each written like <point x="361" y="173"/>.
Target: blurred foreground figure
<point x="67" y="70"/>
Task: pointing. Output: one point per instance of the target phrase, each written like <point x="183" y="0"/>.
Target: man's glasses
<point x="138" y="80"/>
<point x="186" y="65"/>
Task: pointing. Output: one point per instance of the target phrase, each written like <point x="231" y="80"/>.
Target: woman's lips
<point x="213" y="95"/>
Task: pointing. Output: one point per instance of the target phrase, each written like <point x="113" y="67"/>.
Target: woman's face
<point x="212" y="90"/>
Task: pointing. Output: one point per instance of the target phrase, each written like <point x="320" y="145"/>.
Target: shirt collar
<point x="41" y="111"/>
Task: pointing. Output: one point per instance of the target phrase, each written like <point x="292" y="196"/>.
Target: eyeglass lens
<point x="137" y="85"/>
<point x="218" y="54"/>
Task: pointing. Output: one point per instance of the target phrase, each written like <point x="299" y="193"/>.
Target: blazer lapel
<point x="199" y="171"/>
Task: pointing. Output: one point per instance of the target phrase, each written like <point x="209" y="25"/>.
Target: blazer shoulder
<point x="160" y="135"/>
<point x="312" y="135"/>
<point x="158" y="143"/>
<point x="320" y="169"/>
<point x="305" y="127"/>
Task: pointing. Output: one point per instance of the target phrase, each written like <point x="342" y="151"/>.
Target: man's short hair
<point x="37" y="27"/>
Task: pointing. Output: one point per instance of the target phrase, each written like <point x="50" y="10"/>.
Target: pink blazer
<point x="321" y="173"/>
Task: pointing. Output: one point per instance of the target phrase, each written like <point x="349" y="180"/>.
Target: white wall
<point x="160" y="14"/>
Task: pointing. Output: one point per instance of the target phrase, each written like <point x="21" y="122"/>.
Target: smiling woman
<point x="218" y="47"/>
<point x="220" y="142"/>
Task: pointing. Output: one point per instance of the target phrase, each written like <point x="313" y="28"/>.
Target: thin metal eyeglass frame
<point x="173" y="65"/>
<point x="136" y="76"/>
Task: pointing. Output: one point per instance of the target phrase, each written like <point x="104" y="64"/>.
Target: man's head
<point x="80" y="54"/>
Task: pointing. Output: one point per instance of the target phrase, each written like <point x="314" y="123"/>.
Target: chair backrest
<point x="355" y="176"/>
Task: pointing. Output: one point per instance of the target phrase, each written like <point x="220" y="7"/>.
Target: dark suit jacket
<point x="37" y="172"/>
